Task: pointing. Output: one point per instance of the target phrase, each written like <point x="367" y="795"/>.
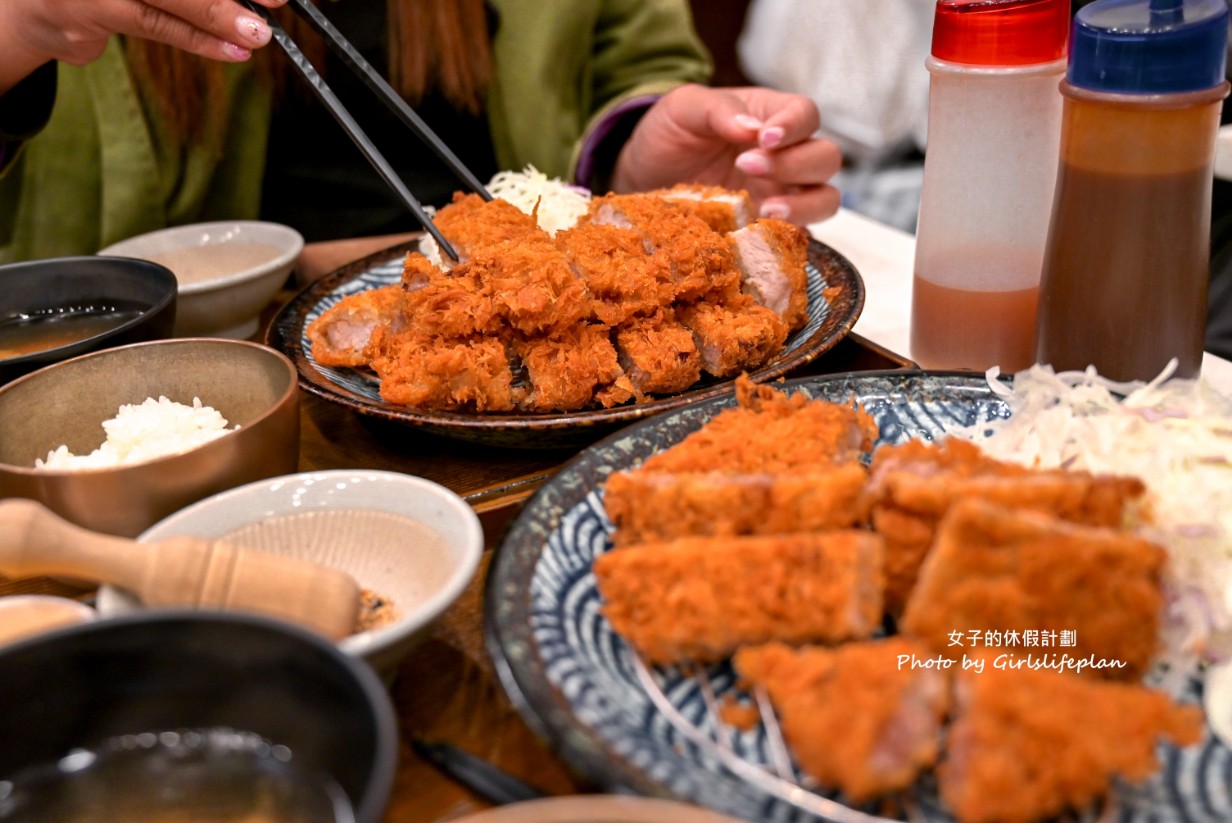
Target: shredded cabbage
<point x="1174" y="434"/>
<point x="560" y="205"/>
<point x="556" y="205"/>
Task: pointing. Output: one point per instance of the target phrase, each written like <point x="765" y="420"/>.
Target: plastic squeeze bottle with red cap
<point x="1128" y="259"/>
<point x="994" y="117"/>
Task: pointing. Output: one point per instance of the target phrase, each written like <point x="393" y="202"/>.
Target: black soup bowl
<point x="57" y="308"/>
<point x="170" y="678"/>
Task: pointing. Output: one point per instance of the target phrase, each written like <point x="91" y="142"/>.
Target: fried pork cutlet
<point x="699" y="259"/>
<point x="996" y="569"/>
<point x="1026" y="745"/>
<point x="860" y="717"/>
<point x="339" y="337"/>
<point x="699" y="599"/>
<point x="471" y="374"/>
<point x="532" y="287"/>
<point x="773" y="259"/>
<point x="723" y="210"/>
<point x="418" y="271"/>
<point x="914" y="475"/>
<point x="567" y="367"/>
<point x="471" y="223"/>
<point x="735" y="336"/>
<point x="619" y="391"/>
<point x="913" y="484"/>
<point x="450" y="304"/>
<point x="624" y="279"/>
<point x="658" y="354"/>
<point x="648" y="507"/>
<point x="771" y="431"/>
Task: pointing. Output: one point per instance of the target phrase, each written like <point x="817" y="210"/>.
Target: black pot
<point x="146" y="289"/>
<point x="80" y="686"/>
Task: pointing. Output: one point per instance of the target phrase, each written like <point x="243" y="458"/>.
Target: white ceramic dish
<point x="228" y="271"/>
<point x="354" y="520"/>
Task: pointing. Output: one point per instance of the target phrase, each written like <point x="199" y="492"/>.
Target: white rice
<point x="154" y="428"/>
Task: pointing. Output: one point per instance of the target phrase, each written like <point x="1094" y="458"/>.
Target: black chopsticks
<point x="373" y="79"/>
<point x="475" y="773"/>
<point x="377" y="84"/>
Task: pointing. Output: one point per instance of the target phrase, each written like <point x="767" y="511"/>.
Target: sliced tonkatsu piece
<point x="658" y="354"/>
<point x="619" y="391"/>
<point x="859" y="717"/>
<point x="566" y="368"/>
<point x="339" y="337"/>
<point x="771" y="431"/>
<point x="699" y="259"/>
<point x="471" y="223"/>
<point x="446" y="303"/>
<point x="916" y="475"/>
<point x="623" y="277"/>
<point x="470" y="374"/>
<point x="773" y="259"/>
<point x="1027" y="745"/>
<point x="700" y="599"/>
<point x="913" y="484"/>
<point x="532" y="287"/>
<point x="724" y="210"/>
<point x="1001" y="570"/>
<point x="651" y="507"/>
<point x="735" y="336"/>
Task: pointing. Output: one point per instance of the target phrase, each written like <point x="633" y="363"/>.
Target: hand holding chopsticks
<point x="34" y="32"/>
<point x="377" y="84"/>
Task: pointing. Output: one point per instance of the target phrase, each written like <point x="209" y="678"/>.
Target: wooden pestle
<point x="190" y="572"/>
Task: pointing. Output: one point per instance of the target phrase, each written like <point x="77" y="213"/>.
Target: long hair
<point x="187" y="91"/>
<point x="435" y="46"/>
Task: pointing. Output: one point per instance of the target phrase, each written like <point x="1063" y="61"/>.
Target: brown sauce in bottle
<point x="1126" y="266"/>
<point x="1125" y="273"/>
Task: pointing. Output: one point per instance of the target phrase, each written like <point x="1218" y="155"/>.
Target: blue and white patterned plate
<point x="576" y="683"/>
<point x="836" y="298"/>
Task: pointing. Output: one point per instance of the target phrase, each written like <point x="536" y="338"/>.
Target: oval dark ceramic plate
<point x="836" y="297"/>
<point x="573" y="679"/>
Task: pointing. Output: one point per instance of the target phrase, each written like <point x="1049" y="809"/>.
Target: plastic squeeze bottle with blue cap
<point x="994" y="124"/>
<point x="1127" y="265"/>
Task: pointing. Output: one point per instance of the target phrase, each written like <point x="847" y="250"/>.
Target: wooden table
<point x="446" y="689"/>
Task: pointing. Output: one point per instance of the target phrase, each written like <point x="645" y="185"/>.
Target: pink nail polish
<point x="236" y="52"/>
<point x="747" y="121"/>
<point x="253" y="29"/>
<point x="770" y="138"/>
<point x="752" y="163"/>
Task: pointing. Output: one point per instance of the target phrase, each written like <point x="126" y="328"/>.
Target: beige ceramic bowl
<point x="228" y="271"/>
<point x="412" y="542"/>
<point x="251" y="385"/>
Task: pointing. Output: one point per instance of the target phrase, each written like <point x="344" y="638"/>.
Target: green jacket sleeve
<point x="561" y="65"/>
<point x="103" y="169"/>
